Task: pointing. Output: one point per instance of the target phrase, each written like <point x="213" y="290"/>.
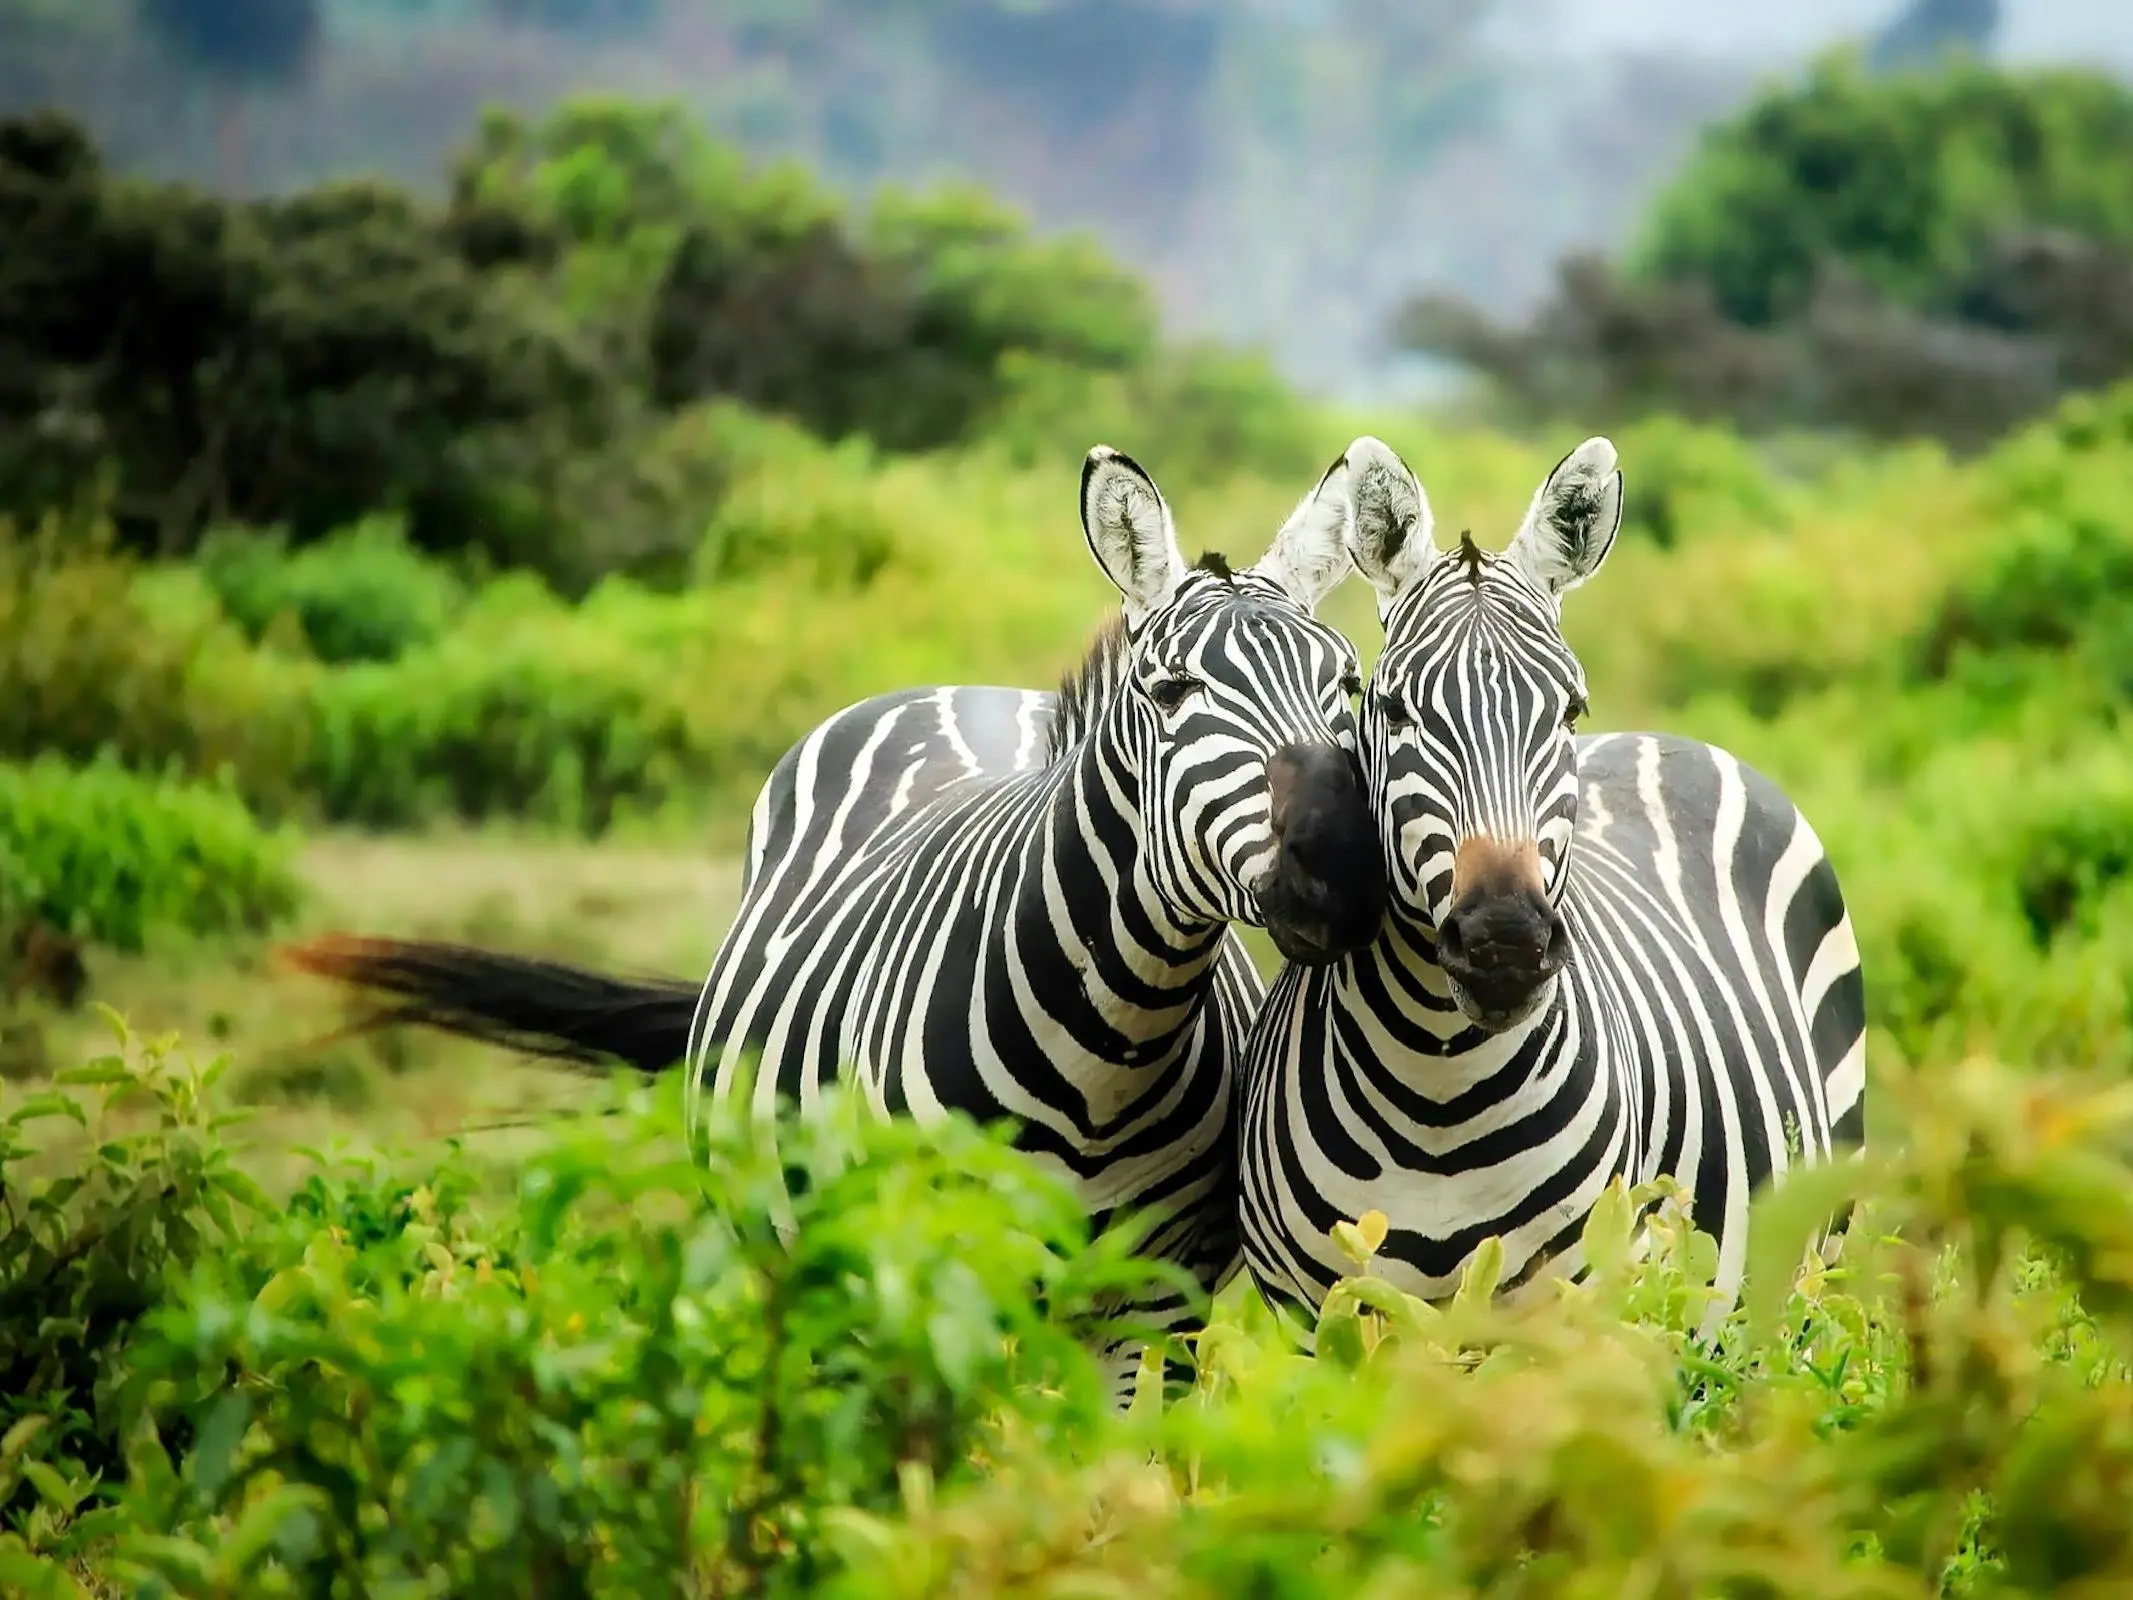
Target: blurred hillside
<point x="1284" y="171"/>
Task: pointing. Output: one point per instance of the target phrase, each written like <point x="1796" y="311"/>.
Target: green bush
<point x="557" y="723"/>
<point x="302" y="360"/>
<point x="1689" y="478"/>
<point x="92" y="663"/>
<point x="1904" y="180"/>
<point x="1194" y="414"/>
<point x="2060" y="574"/>
<point x="594" y="1370"/>
<point x="108" y="855"/>
<point x="710" y="280"/>
<point x="605" y="1369"/>
<point x="83" y="1257"/>
<point x="2075" y="851"/>
<point x="815" y="520"/>
<point x="361" y="593"/>
<point x="1934" y="253"/>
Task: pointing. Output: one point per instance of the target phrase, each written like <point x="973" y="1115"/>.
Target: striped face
<point x="1467" y="729"/>
<point x="1238" y="712"/>
<point x="1468" y="721"/>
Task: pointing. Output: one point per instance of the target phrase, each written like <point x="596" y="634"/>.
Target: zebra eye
<point x="1578" y="708"/>
<point x="1351" y="687"/>
<point x="1170" y="693"/>
<point x="1394" y="711"/>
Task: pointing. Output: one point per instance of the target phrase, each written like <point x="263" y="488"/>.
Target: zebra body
<point x="1019" y="905"/>
<point x="912" y="867"/>
<point x="1615" y="956"/>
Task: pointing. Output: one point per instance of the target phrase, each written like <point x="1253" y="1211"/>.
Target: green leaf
<point x="1340" y="1329"/>
<point x="25" y="1575"/>
<point x="17" y="1438"/>
<point x="49" y="1104"/>
<point x="216" y="1447"/>
<point x="1783" y="1221"/>
<point x="54" y="1489"/>
<point x="259" y="1529"/>
<point x="186" y="1564"/>
<point x="1482" y="1273"/>
<point x="103" y="1070"/>
<point x="1609" y="1232"/>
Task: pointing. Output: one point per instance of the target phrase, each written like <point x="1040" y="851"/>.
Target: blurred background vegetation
<point x="449" y="550"/>
<point x="559" y="493"/>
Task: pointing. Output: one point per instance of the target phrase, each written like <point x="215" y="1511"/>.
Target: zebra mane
<point x="1216" y="562"/>
<point x="1470" y="553"/>
<point x="1086" y="687"/>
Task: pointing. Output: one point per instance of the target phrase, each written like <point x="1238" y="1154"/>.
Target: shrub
<point x="362" y="593"/>
<point x="553" y="722"/>
<point x="607" y="1372"/>
<point x="300" y="361"/>
<point x="708" y="280"/>
<point x="1902" y="1425"/>
<point x="2059" y="574"/>
<point x="812" y="515"/>
<point x="83" y="1257"/>
<point x="90" y="665"/>
<point x="608" y="1364"/>
<point x="1194" y="414"/>
<point x="1688" y="479"/>
<point x="1938" y="254"/>
<point x="108" y="855"/>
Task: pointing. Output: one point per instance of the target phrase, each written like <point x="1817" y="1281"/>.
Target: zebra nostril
<point x="1451" y="943"/>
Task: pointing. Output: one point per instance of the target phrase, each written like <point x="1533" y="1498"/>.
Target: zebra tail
<point x="542" y="1008"/>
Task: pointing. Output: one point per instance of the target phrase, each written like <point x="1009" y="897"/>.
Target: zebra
<point x="1021" y="905"/>
<point x="1612" y="955"/>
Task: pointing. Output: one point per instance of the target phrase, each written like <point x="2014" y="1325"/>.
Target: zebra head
<point x="1237" y="704"/>
<point x="1468" y="721"/>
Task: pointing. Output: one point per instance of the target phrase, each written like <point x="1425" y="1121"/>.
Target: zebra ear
<point x="1310" y="555"/>
<point x="1572" y="522"/>
<point x="1389" y="521"/>
<point x="1128" y="526"/>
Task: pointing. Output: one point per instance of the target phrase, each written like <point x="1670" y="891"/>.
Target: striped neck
<point x="1403" y="1001"/>
<point x="1140" y="973"/>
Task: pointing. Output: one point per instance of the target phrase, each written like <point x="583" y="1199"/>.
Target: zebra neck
<point x="1084" y="890"/>
<point x="1405" y="1004"/>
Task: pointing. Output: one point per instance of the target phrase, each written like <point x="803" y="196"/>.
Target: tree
<point x="302" y="361"/>
<point x="1906" y="181"/>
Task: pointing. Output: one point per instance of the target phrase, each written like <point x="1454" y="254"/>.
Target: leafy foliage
<point x="91" y="666"/>
<point x="104" y="854"/>
<point x="359" y="594"/>
<point x="83" y="1257"/>
<point x="333" y="342"/>
<point x="501" y="371"/>
<point x="604" y="1364"/>
<point x="1902" y="180"/>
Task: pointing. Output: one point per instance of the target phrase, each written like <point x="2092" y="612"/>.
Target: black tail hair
<point x="544" y="1008"/>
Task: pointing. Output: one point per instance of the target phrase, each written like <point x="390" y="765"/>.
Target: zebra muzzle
<point x="1324" y="896"/>
<point x="1502" y="940"/>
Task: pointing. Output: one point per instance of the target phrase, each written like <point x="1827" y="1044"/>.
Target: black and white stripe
<point x="1622" y="955"/>
<point x="1017" y="904"/>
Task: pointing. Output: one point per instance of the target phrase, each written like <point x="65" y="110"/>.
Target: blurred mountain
<point x="1285" y="171"/>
